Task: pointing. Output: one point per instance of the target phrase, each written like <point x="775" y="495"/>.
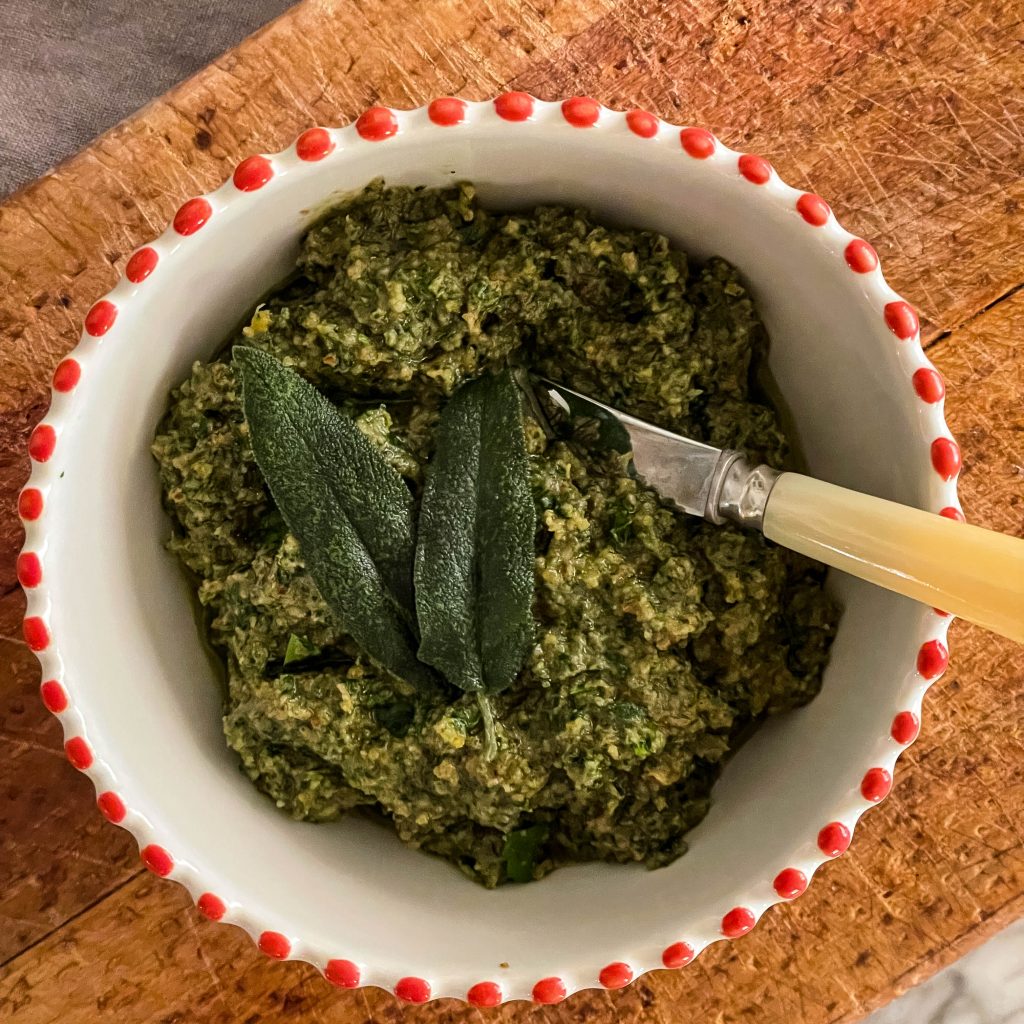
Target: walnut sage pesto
<point x="659" y="640"/>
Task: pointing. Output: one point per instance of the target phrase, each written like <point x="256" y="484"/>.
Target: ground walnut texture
<point x="660" y="640"/>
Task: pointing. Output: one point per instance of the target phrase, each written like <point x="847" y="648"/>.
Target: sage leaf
<point x="351" y="513"/>
<point x="474" y="573"/>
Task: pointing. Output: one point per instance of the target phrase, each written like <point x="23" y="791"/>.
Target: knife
<point x="965" y="570"/>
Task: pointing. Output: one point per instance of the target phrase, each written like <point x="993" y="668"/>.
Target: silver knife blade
<point x="687" y="473"/>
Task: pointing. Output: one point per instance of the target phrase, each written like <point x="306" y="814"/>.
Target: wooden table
<point x="909" y="116"/>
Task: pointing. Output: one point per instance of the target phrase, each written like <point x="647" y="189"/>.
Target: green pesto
<point x="659" y="640"/>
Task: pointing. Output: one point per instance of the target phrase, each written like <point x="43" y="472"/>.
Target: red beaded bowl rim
<point x="375" y="126"/>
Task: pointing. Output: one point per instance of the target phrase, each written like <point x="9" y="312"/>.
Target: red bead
<point x="581" y="111"/>
<point x="100" y="318"/>
<point x="192" y="215"/>
<point x="755" y="168"/>
<point x="875" y="785"/>
<point x="377" y="124"/>
<point x="342" y="973"/>
<point x="67" y="375"/>
<point x="698" y="142"/>
<point x="29" y="570"/>
<point x="447" y="111"/>
<point x="905" y="727"/>
<point x="157" y="860"/>
<point x="949" y="512"/>
<point x="29" y="573"/>
<point x="314" y="144"/>
<point x="738" y="922"/>
<point x="946" y="457"/>
<point x="412" y="990"/>
<point x="37" y="636"/>
<point x="484" y="994"/>
<point x="141" y="265"/>
<point x="211" y="906"/>
<point x="928" y="384"/>
<point x="274" y="945"/>
<point x="642" y="123"/>
<point x="55" y="700"/>
<point x="252" y="173"/>
<point x="813" y="209"/>
<point x="834" y="839"/>
<point x="514" y="106"/>
<point x="616" y="975"/>
<point x="901" y="319"/>
<point x="30" y="504"/>
<point x="111" y="807"/>
<point x="41" y="442"/>
<point x="549" y="991"/>
<point x="679" y="954"/>
<point x="78" y="753"/>
<point x="932" y="659"/>
<point x="860" y="257"/>
<point x="790" y="883"/>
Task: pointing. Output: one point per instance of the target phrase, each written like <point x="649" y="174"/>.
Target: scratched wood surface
<point x="908" y="116"/>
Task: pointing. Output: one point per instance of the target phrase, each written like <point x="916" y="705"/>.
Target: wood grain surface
<point x="908" y="116"/>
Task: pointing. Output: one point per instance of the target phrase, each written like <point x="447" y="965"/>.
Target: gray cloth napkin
<point x="69" y="69"/>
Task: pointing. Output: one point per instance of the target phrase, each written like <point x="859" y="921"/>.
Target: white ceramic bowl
<point x="112" y="620"/>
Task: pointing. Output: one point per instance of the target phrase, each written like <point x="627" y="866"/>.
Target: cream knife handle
<point x="963" y="569"/>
